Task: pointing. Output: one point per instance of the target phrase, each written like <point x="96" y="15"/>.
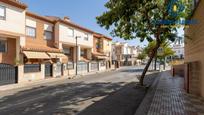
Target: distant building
<point x="125" y="54"/>
<point x="178" y="48"/>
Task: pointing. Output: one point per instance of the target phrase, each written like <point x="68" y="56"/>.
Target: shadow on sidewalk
<point x="68" y="99"/>
<point x="123" y="102"/>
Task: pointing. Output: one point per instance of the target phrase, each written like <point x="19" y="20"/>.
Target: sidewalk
<point x="169" y="98"/>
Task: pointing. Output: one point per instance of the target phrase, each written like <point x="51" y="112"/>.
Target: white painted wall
<point x="125" y="49"/>
<point x="15" y="19"/>
<point x="31" y="22"/>
<point x="64" y="37"/>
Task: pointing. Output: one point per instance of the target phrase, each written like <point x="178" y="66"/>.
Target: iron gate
<point x="8" y="74"/>
<point x="58" y="70"/>
<point x="82" y="68"/>
<point x="94" y="66"/>
<point x="48" y="70"/>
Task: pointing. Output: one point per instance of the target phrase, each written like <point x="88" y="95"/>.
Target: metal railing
<point x="94" y="66"/>
<point x="29" y="68"/>
<point x="70" y="65"/>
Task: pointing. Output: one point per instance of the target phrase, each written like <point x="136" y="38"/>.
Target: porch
<point x="10" y="47"/>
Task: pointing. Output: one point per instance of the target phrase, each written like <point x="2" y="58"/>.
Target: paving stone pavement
<point x="171" y="99"/>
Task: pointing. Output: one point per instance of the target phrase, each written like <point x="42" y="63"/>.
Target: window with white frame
<point x="70" y="32"/>
<point x="30" y="31"/>
<point x="2" y="12"/>
<point x="48" y="35"/>
<point x="67" y="51"/>
<point x="86" y="37"/>
<point x="3" y="46"/>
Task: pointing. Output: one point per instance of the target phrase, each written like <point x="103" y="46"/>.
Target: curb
<point x="29" y="85"/>
<point x="146" y="102"/>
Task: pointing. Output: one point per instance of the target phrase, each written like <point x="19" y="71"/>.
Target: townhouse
<point x="194" y="46"/>
<point x="40" y="41"/>
<point x="72" y="39"/>
<point x="12" y="30"/>
<point x="102" y="48"/>
<point x="123" y="54"/>
<point x="34" y="47"/>
<point x="12" y="37"/>
<point x="76" y="42"/>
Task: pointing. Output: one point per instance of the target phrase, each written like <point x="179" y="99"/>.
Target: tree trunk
<point x="164" y="63"/>
<point x="155" y="63"/>
<point x="154" y="52"/>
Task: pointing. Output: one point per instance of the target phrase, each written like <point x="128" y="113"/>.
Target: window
<point x="108" y="44"/>
<point x="48" y="35"/>
<point x="2" y="12"/>
<point x="67" y="51"/>
<point x="70" y="32"/>
<point x="97" y="43"/>
<point x="86" y="37"/>
<point x="30" y="31"/>
<point x="3" y="46"/>
<point x="82" y="52"/>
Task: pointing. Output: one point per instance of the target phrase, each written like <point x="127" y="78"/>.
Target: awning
<point x="57" y="55"/>
<point x="102" y="57"/>
<point x="98" y="54"/>
<point x="84" y="59"/>
<point x="132" y="59"/>
<point x="36" y="55"/>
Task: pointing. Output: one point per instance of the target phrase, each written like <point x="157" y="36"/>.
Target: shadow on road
<point x="132" y="70"/>
<point x="122" y="102"/>
<point x="68" y="99"/>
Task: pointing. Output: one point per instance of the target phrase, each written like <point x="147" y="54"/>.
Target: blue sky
<point x="82" y="12"/>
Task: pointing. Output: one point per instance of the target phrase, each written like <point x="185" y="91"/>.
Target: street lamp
<point x="77" y="51"/>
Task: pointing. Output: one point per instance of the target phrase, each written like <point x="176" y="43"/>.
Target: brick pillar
<point x="43" y="71"/>
<point x="79" y="52"/>
<point x="20" y="73"/>
<point x="54" y="68"/>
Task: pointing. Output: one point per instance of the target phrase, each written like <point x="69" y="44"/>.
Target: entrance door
<point x="48" y="70"/>
<point x="58" y="69"/>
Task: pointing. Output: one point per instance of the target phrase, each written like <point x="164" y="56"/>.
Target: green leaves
<point x="141" y="56"/>
<point x="167" y="50"/>
<point x="131" y="19"/>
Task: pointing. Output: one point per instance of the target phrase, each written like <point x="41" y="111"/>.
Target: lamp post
<point x="77" y="52"/>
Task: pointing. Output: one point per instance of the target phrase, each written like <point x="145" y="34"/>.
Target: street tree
<point x="141" y="56"/>
<point x="148" y="50"/>
<point x="144" y="20"/>
<point x="166" y="50"/>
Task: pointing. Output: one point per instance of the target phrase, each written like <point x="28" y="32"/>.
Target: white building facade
<point x="178" y="48"/>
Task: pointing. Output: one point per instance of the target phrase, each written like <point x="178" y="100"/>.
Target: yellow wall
<point x="106" y="45"/>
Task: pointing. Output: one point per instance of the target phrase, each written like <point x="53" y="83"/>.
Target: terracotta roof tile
<point x="41" y="49"/>
<point x="16" y="3"/>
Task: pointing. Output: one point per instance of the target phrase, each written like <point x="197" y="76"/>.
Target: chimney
<point x="66" y="18"/>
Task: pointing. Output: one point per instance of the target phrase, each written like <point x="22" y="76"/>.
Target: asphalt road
<point x="78" y="96"/>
